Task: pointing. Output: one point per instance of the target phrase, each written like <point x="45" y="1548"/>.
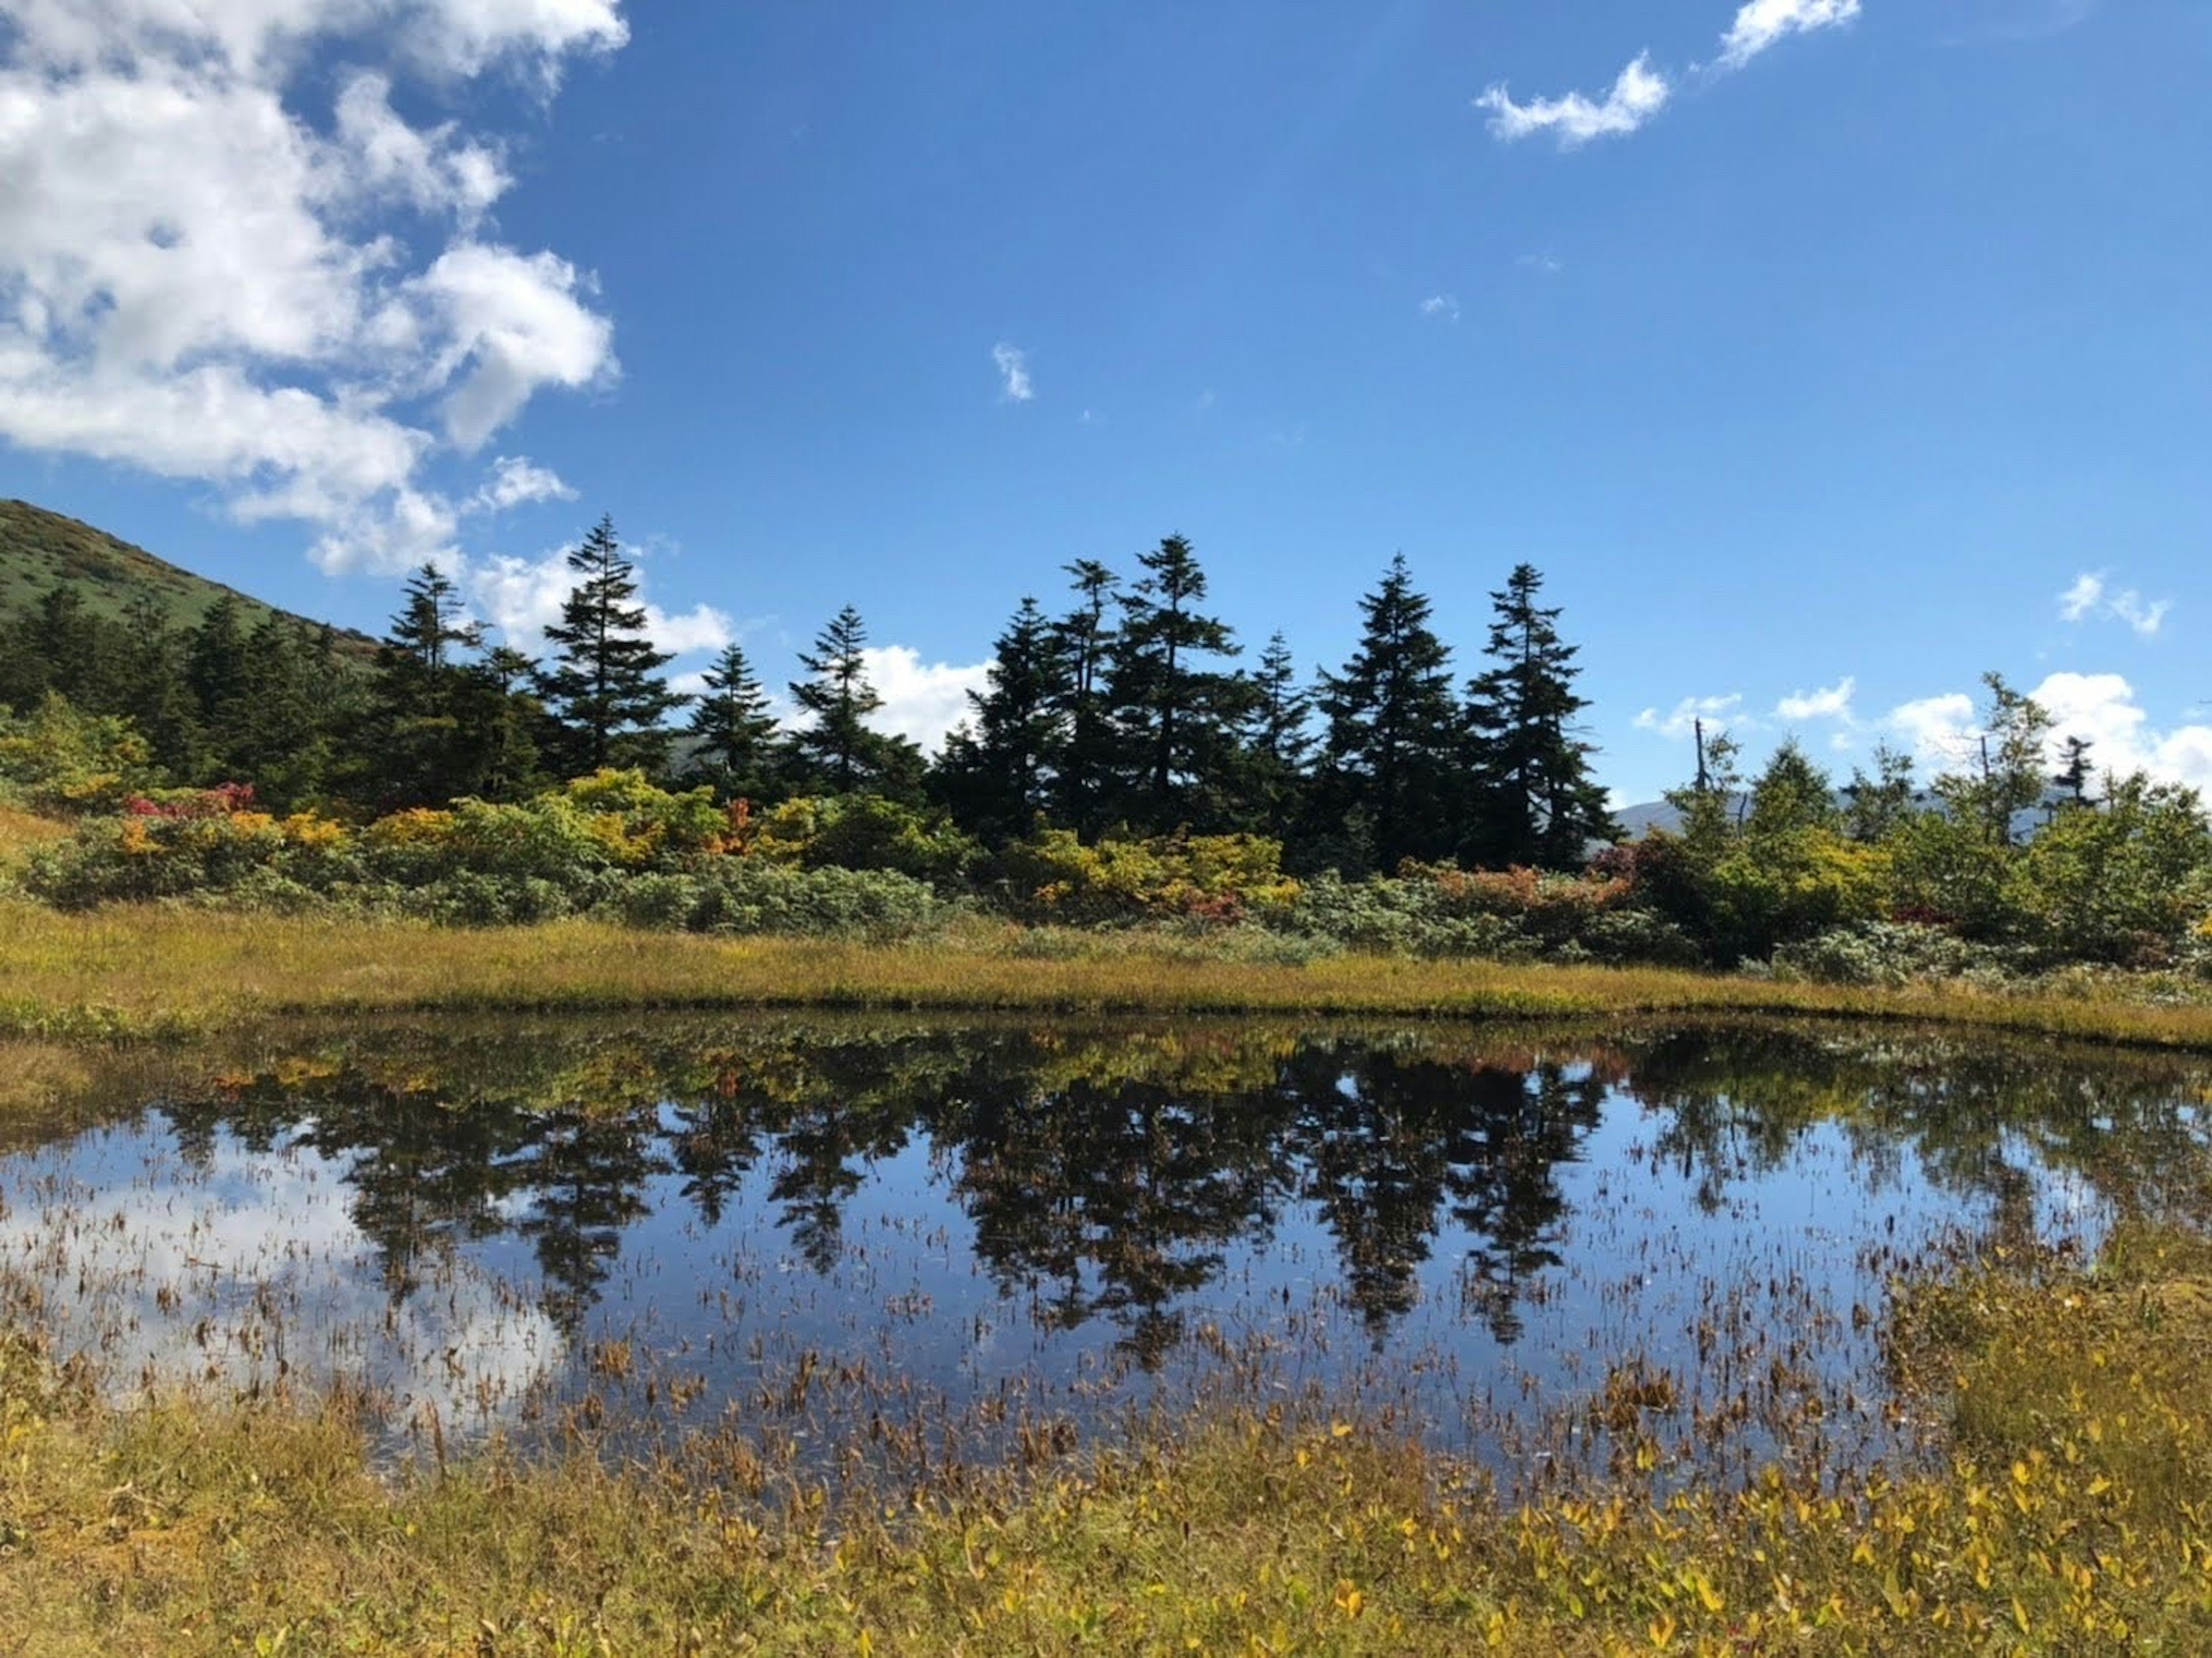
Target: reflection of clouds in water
<point x="248" y="1267"/>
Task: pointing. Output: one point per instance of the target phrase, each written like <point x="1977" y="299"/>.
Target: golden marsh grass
<point x="156" y="970"/>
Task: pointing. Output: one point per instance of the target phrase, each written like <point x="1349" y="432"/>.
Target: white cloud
<point x="1639" y="93"/>
<point x="1940" y="732"/>
<point x="1761" y="23"/>
<point x="2083" y="597"/>
<point x="2102" y="708"/>
<point x="516" y="481"/>
<point x="1013" y="367"/>
<point x="1681" y="720"/>
<point x="1944" y="732"/>
<point x="1441" y="308"/>
<point x="1544" y="265"/>
<point x="1833" y="702"/>
<point x="922" y="700"/>
<point x="2090" y="600"/>
<point x="203" y="278"/>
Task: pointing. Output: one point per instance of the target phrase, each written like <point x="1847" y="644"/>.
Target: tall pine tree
<point x="1084" y="641"/>
<point x="1277" y="745"/>
<point x="998" y="773"/>
<point x="1534" y="801"/>
<point x="733" y="729"/>
<point x="409" y="744"/>
<point x="1177" y="713"/>
<point x="603" y="689"/>
<point x="837" y="749"/>
<point x="1393" y="729"/>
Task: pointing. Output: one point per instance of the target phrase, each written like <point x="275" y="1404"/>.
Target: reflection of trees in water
<point x="1115" y="1201"/>
<point x="1111" y="1181"/>
<point x="1981" y="1117"/>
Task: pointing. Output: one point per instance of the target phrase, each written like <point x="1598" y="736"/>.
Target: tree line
<point x="1127" y="710"/>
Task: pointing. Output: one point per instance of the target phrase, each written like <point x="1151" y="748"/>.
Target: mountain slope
<point x="39" y="549"/>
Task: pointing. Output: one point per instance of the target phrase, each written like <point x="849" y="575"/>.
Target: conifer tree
<point x="1277" y="745"/>
<point x="419" y="739"/>
<point x="1393" y="728"/>
<point x="1085" y="643"/>
<point x="1177" y="715"/>
<point x="605" y="688"/>
<point x="1534" y="801"/>
<point x="999" y="770"/>
<point x="499" y="714"/>
<point x="837" y="749"/>
<point x="273" y="731"/>
<point x="733" y="728"/>
<point x="156" y="697"/>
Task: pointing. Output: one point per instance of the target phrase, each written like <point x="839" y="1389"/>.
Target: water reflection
<point x="472" y="1222"/>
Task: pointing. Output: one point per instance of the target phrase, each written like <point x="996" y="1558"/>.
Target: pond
<point x="885" y="1246"/>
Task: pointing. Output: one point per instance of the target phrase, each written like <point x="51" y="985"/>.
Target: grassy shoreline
<point x="2064" y="1515"/>
<point x="121" y="972"/>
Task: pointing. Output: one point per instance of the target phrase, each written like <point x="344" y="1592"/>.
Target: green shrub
<point x="1053" y="876"/>
<point x="58" y="759"/>
<point x="1890" y="954"/>
<point x="860" y="832"/>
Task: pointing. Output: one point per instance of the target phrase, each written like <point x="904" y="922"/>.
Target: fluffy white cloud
<point x="1832" y="702"/>
<point x="1441" y="308"/>
<point x="1943" y="733"/>
<point x="1760" y="23"/>
<point x="2089" y="599"/>
<point x="205" y="275"/>
<point x="516" y="481"/>
<point x="1639" y="93"/>
<point x="1681" y="720"/>
<point x="922" y="700"/>
<point x="2102" y="708"/>
<point x="1013" y="365"/>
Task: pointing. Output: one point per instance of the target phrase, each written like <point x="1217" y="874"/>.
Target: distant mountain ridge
<point x="41" y="550"/>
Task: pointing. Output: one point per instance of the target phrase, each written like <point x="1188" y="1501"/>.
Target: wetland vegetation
<point x="805" y="1332"/>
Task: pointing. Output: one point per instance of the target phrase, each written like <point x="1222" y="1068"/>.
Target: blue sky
<point x="1822" y="353"/>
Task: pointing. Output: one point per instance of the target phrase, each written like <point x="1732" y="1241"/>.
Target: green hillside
<point x="39" y="549"/>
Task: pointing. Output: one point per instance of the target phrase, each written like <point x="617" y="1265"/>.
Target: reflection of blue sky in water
<point x="1713" y="1260"/>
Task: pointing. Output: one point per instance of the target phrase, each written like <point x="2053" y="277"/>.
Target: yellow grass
<point x="21" y="831"/>
<point x="2069" y="1518"/>
<point x="152" y="971"/>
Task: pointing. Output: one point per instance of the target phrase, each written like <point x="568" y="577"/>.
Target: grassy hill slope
<point x="39" y="549"/>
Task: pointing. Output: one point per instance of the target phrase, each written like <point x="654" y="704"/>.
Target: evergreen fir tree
<point x="1277" y="745"/>
<point x="410" y="745"/>
<point x="1535" y="802"/>
<point x="2075" y="774"/>
<point x="1085" y="643"/>
<point x="838" y="751"/>
<point x="272" y="732"/>
<point x="156" y="696"/>
<point x="1393" y="727"/>
<point x="214" y="661"/>
<point x="605" y="688"/>
<point x="999" y="775"/>
<point x="499" y="716"/>
<point x="733" y="729"/>
<point x="1178" y="716"/>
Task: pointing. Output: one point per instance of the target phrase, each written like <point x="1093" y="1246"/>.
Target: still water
<point x="898" y="1242"/>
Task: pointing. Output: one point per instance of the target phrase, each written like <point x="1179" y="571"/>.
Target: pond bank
<point x="2067" y="1515"/>
<point x="166" y="973"/>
